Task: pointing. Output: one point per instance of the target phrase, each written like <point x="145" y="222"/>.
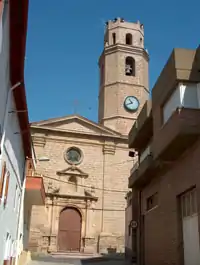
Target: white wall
<point x="12" y="153"/>
<point x="185" y="95"/>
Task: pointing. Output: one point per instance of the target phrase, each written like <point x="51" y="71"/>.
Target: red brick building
<point x="166" y="180"/>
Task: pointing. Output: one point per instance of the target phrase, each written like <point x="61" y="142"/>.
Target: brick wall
<point x="163" y="243"/>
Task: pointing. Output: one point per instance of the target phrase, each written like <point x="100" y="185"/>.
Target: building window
<point x="4" y="184"/>
<point x="114" y="38"/>
<point x="130" y="66"/>
<point x="2" y="180"/>
<point x="185" y="95"/>
<point x="73" y="156"/>
<point x="152" y="201"/>
<point x="129" y="39"/>
<point x="189" y="203"/>
<point x="6" y="188"/>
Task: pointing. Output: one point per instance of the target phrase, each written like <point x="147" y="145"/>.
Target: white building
<point x="15" y="139"/>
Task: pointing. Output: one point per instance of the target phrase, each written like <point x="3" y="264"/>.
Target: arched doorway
<point x="69" y="235"/>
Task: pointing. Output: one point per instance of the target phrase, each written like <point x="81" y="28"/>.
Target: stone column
<point x="53" y="232"/>
<point x="89" y="239"/>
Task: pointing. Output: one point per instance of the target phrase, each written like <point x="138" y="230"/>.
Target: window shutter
<point x="7" y="186"/>
<point x="3" y="173"/>
<point x="28" y="168"/>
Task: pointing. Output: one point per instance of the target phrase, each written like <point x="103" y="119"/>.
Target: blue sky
<point x="65" y="39"/>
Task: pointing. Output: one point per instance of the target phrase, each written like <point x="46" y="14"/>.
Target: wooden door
<point x="69" y="235"/>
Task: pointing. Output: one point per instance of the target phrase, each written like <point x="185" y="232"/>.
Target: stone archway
<point x="69" y="234"/>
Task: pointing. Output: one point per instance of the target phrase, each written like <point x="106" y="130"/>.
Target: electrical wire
<point x="86" y="186"/>
<point x="94" y="209"/>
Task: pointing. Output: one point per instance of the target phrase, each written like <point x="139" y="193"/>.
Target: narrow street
<point x="61" y="260"/>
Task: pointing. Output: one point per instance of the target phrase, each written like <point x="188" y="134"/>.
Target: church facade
<point x="85" y="165"/>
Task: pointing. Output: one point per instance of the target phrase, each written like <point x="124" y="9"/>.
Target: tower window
<point x="129" y="39"/>
<point x="114" y="38"/>
<point x="130" y="66"/>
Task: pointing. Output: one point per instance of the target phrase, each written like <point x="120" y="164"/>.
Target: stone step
<point x="80" y="255"/>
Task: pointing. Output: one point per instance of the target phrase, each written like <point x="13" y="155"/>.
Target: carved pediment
<point x="75" y="124"/>
<point x="72" y="171"/>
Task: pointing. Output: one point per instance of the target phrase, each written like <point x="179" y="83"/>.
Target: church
<point x="84" y="164"/>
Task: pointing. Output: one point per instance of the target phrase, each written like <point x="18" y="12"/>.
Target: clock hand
<point x="130" y="101"/>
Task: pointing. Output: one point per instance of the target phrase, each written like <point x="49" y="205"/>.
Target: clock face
<point x="131" y="103"/>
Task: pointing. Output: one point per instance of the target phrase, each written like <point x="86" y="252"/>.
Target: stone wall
<point x="107" y="166"/>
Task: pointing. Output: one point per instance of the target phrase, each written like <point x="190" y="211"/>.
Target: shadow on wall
<point x="105" y="257"/>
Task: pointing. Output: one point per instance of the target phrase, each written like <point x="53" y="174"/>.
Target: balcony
<point x="144" y="170"/>
<point x="180" y="131"/>
<point x="142" y="130"/>
<point x="35" y="192"/>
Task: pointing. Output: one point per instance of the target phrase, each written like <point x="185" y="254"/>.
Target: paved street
<point x="76" y="261"/>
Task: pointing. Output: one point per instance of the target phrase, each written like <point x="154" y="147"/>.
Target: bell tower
<point x="124" y="78"/>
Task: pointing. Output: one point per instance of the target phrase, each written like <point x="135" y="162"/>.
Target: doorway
<point x="190" y="228"/>
<point x="69" y="235"/>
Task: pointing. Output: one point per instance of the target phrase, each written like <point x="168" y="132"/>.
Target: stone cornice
<point x="72" y="170"/>
<point x="119" y="116"/>
<point x="75" y="141"/>
<point x="124" y="48"/>
<point x="39" y="140"/>
<point x="46" y="130"/>
<point x="109" y="148"/>
<point x="72" y="196"/>
<point x="122" y="83"/>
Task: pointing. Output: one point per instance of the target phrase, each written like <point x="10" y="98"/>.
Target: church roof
<point x="65" y="124"/>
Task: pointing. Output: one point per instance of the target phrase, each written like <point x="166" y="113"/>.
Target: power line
<point x="84" y="186"/>
<point x="95" y="209"/>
